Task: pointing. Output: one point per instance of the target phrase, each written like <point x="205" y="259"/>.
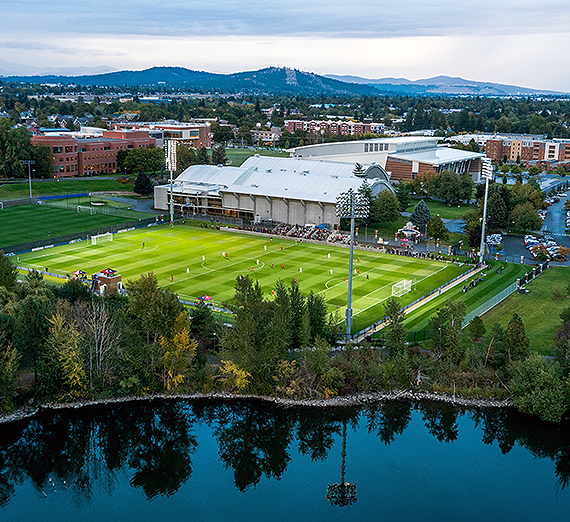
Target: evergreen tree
<point x="143" y="185"/>
<point x="437" y="229"/>
<point x="496" y="212"/>
<point x="359" y="170"/>
<point x="403" y="190"/>
<point x="517" y="342"/>
<point x="8" y="272"/>
<point x="202" y="156"/>
<point x="420" y="216"/>
<point x="477" y="328"/>
<point x="396" y="333"/>
<point x="219" y="155"/>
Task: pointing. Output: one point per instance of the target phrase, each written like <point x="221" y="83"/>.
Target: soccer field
<point x="191" y="262"/>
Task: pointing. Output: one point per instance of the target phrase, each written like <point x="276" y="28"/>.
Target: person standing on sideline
<point x="143" y="244"/>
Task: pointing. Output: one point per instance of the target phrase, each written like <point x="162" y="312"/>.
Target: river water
<point x="252" y="461"/>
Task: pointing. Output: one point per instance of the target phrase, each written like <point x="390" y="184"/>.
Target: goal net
<point x="108" y="236"/>
<point x="81" y="209"/>
<point x="401" y="287"/>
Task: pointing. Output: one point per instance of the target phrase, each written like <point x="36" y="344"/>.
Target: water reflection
<point x="87" y="452"/>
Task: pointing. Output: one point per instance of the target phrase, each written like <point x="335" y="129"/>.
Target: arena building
<point x="403" y="157"/>
<point x="285" y="190"/>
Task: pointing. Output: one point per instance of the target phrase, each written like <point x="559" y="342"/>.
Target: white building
<point x="286" y="190"/>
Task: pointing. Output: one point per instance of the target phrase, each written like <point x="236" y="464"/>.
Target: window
<point x="366" y="147"/>
<point x="56" y="150"/>
<point x="68" y="150"/>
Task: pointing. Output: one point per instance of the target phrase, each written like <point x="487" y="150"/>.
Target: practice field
<point x="19" y="225"/>
<point x="191" y="262"/>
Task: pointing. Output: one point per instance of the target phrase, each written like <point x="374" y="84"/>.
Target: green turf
<point x="538" y="309"/>
<point x="62" y="186"/>
<point x="19" y="225"/>
<point x="475" y="297"/>
<point x="444" y="210"/>
<point x="238" y="156"/>
<point x="175" y="256"/>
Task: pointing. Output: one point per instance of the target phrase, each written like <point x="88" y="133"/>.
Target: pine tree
<point x="143" y="185"/>
<point x="496" y="212"/>
<point x="516" y="340"/>
<point x="359" y="171"/>
<point x="396" y="333"/>
<point x="420" y="216"/>
<point x="477" y="328"/>
<point x="436" y="228"/>
<point x="219" y="155"/>
<point x="202" y="157"/>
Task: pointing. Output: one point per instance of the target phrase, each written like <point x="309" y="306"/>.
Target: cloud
<point x="334" y="19"/>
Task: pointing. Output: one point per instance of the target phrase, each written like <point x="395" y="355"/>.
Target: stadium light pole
<point x="487" y="173"/>
<point x="29" y="163"/>
<point x="351" y="205"/>
<point x="171" y="166"/>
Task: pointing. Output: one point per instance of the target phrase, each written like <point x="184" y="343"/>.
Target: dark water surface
<point x="250" y="461"/>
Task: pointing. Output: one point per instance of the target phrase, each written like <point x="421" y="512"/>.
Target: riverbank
<point x="359" y="399"/>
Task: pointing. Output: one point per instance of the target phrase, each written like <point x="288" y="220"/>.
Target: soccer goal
<point x="81" y="209"/>
<point x="108" y="236"/>
<point x="401" y="287"/>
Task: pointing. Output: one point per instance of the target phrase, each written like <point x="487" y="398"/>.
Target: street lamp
<point x="487" y="173"/>
<point x="351" y="205"/>
<point x="29" y="163"/>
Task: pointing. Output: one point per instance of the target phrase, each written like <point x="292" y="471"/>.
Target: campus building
<point x="284" y="190"/>
<point x="73" y="155"/>
<point x="528" y="150"/>
<point x="403" y="157"/>
<point x="195" y="135"/>
<point x="348" y="127"/>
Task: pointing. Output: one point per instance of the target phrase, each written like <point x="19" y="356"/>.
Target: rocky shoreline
<point x="359" y="399"/>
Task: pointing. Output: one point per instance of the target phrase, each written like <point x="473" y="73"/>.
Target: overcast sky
<point x="517" y="42"/>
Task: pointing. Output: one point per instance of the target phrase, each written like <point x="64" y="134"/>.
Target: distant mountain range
<point x="442" y="85"/>
<point x="273" y="80"/>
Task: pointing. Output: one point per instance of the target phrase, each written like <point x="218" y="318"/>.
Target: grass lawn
<point x="175" y="256"/>
<point x="238" y="156"/>
<point x="444" y="210"/>
<point x="62" y="186"/>
<point x="537" y="309"/>
<point x="27" y="223"/>
<point x="476" y="296"/>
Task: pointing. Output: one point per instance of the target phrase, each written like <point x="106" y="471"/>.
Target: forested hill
<point x="272" y="80"/>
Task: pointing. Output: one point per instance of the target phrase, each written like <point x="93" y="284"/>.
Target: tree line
<point x="81" y="346"/>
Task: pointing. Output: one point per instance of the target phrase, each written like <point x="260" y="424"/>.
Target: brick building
<point x="528" y="150"/>
<point x="77" y="156"/>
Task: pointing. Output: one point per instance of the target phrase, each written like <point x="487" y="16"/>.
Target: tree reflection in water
<point x="84" y="451"/>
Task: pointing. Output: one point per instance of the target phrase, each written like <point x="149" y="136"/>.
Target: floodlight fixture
<point x="487" y="174"/>
<point x="351" y="205"/>
<point x="170" y="155"/>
